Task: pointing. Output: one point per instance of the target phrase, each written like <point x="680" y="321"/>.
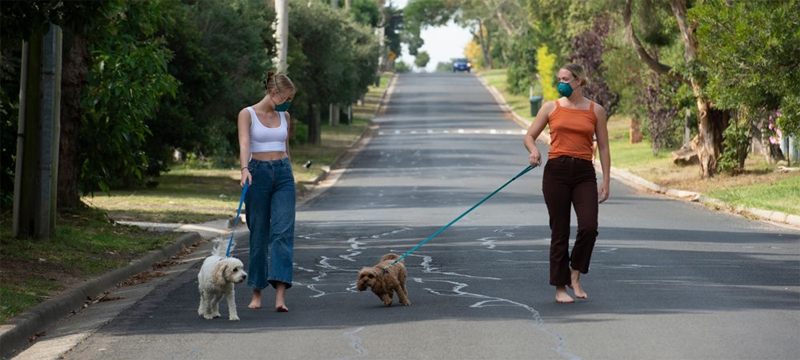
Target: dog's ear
<point x="218" y="275"/>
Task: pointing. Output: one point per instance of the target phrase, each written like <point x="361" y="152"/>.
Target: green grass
<point x="182" y="196"/>
<point x="638" y="158"/>
<point x="518" y="103"/>
<point x="85" y="244"/>
<point x="15" y="299"/>
<point x="782" y="195"/>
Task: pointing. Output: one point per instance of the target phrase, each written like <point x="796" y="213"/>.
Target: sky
<point x="441" y="43"/>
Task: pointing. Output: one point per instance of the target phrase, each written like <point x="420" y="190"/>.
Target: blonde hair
<point x="278" y="82"/>
<point x="577" y="72"/>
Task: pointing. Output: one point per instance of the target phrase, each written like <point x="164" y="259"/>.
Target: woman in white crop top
<point x="264" y="130"/>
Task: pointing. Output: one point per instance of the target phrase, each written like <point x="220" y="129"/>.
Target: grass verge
<point x="86" y="243"/>
<point x="760" y="186"/>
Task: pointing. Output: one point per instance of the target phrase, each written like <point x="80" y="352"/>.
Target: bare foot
<point x="562" y="297"/>
<point x="280" y="302"/>
<point x="576" y="285"/>
<point x="255" y="303"/>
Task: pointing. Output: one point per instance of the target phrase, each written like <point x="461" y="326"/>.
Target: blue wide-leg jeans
<point x="270" y="203"/>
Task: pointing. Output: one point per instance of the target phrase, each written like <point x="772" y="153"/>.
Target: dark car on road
<point x="461" y="65"/>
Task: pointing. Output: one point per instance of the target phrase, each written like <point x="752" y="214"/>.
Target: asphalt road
<point x="669" y="279"/>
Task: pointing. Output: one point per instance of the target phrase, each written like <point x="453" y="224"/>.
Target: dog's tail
<point x="221" y="247"/>
<point x="390" y="256"/>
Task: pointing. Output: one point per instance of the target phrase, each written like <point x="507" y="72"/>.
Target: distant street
<point x="669" y="279"/>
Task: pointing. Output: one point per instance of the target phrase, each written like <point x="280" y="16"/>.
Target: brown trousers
<point x="568" y="182"/>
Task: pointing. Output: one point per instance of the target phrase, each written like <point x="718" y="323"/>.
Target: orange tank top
<point x="571" y="132"/>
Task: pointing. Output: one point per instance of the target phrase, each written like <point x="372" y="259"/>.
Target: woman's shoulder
<point x="244" y="113"/>
<point x="599" y="110"/>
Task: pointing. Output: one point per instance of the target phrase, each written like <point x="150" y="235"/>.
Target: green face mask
<point x="564" y="89"/>
<point x="283" y="107"/>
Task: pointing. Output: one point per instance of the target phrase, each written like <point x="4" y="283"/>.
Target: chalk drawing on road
<point x="457" y="290"/>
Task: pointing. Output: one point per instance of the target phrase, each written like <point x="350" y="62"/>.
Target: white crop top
<point x="262" y="138"/>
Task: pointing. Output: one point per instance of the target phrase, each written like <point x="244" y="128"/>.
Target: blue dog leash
<point x="236" y="221"/>
<point x="443" y="228"/>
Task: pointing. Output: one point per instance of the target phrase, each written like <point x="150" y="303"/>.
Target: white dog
<point x="216" y="279"/>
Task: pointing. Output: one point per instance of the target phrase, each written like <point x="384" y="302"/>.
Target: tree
<point x="751" y="51"/>
<point x="331" y="60"/>
<point x="473" y="52"/>
<point x="422" y="59"/>
<point x="78" y="20"/>
<point x="546" y="71"/>
<point x="220" y="54"/>
<point x="588" y="49"/>
<point x="711" y="120"/>
<point x="366" y="12"/>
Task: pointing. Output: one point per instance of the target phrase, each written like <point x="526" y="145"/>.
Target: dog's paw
<point x="233" y="318"/>
<point x="208" y="316"/>
<point x="407" y="303"/>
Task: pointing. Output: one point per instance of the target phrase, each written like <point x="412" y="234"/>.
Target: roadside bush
<point x="401" y="67"/>
<point x="736" y="145"/>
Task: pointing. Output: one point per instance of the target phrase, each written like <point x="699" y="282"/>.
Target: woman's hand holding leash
<point x="246" y="177"/>
<point x="535" y="159"/>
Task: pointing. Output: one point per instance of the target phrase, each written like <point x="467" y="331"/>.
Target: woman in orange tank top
<point x="569" y="178"/>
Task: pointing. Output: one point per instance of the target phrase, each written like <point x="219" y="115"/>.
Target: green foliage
<point x="422" y="59"/>
<point x="331" y="60"/>
<point x="418" y="14"/>
<point x="393" y="29"/>
<point x="557" y="22"/>
<point x="522" y="63"/>
<point x="625" y="74"/>
<point x="444" y="66"/>
<point x="19" y="20"/>
<point x="9" y="112"/>
<point x="221" y="53"/>
<point x="401" y="67"/>
<point x="365" y="12"/>
<point x="751" y="51"/>
<point x="789" y="118"/>
<point x="127" y="79"/>
<point x="736" y="144"/>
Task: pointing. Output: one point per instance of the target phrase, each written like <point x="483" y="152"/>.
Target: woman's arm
<point x="289" y="133"/>
<point x="601" y="131"/>
<point x="536" y="128"/>
<point x="243" y="125"/>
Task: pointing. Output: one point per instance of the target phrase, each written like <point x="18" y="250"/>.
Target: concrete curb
<point x="637" y="182"/>
<point x="14" y="335"/>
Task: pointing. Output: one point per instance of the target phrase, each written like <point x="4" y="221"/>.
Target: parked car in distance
<point x="461" y="65"/>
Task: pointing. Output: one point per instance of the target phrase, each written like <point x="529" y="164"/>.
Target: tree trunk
<point x="712" y="122"/>
<point x="314" y="125"/>
<point x="75" y="68"/>
<point x="37" y="143"/>
<point x="485" y="46"/>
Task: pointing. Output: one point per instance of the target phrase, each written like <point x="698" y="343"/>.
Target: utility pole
<point x="333" y="109"/>
<point x="36" y="175"/>
<point x="282" y="33"/>
<point x="380" y="33"/>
